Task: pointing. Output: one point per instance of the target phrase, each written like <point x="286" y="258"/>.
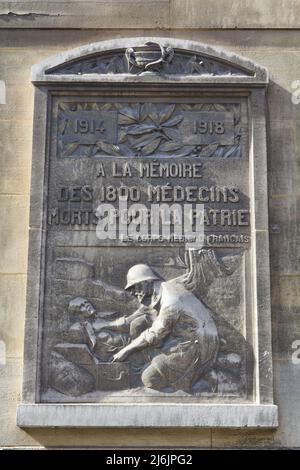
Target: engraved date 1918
<point x="209" y="127"/>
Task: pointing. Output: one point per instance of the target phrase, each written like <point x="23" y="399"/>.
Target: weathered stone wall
<point x="266" y="32"/>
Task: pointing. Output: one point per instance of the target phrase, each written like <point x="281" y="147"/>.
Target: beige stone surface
<point x="279" y="51"/>
<point x="15" y="148"/>
<point x="281" y="148"/>
<point x="237" y="14"/>
<point x="165" y="14"/>
<point x="284" y="234"/>
<point x="241" y="438"/>
<point x="286" y="310"/>
<point x="14" y="212"/>
<point x="12" y="300"/>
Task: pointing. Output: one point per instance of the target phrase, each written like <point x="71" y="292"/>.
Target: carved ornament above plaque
<point x="150" y="58"/>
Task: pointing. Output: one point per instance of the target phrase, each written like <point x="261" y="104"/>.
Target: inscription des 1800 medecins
<point x="223" y="206"/>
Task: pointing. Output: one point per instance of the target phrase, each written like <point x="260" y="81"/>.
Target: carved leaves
<point x="180" y="63"/>
<point x="141" y="130"/>
<point x="101" y="65"/>
<point x="208" y="150"/>
<point x="149" y="128"/>
<point x="194" y="65"/>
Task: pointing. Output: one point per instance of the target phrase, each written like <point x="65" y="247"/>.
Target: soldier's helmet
<point x="139" y="273"/>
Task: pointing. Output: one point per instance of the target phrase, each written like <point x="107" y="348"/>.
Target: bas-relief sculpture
<point x="151" y="58"/>
<point x="150" y="129"/>
<point x="140" y="321"/>
<point x="171" y="342"/>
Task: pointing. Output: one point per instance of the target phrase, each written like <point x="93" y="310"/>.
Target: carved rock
<point x="68" y="378"/>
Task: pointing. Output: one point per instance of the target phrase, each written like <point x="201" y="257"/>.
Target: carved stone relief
<point x="167" y="340"/>
<point x="152" y="58"/>
<point x="150" y="129"/>
<point x="159" y="332"/>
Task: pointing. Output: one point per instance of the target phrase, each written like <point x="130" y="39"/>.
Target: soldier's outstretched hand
<point x="120" y="355"/>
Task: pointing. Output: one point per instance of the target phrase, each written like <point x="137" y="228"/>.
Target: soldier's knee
<point x="151" y="378"/>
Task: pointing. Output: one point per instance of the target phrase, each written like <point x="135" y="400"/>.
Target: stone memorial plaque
<point x="148" y="282"/>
